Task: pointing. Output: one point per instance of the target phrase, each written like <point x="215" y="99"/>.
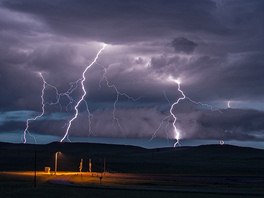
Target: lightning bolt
<point x="118" y="94"/>
<point x="82" y="80"/>
<point x="163" y="120"/>
<point x="67" y="94"/>
<point x="38" y="116"/>
<point x="43" y="105"/>
<point x="176" y="131"/>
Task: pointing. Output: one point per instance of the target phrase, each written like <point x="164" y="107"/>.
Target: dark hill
<point x="200" y="160"/>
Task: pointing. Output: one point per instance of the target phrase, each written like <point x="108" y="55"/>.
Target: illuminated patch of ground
<point x="22" y="182"/>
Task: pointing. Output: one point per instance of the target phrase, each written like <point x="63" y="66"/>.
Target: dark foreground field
<point x="204" y="171"/>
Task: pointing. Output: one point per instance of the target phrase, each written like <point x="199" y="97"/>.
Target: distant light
<point x="228" y="104"/>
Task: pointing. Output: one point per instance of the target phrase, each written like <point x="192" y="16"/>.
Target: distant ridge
<point x="190" y="160"/>
<point x="86" y="144"/>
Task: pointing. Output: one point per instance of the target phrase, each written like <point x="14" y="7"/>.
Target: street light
<point x="56" y="161"/>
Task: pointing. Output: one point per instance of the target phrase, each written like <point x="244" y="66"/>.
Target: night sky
<point x="214" y="47"/>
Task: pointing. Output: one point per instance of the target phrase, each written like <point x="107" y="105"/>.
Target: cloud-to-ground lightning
<point x="176" y="131"/>
<point x="38" y="116"/>
<point x="118" y="94"/>
<point x="45" y="86"/>
<point x="82" y="80"/>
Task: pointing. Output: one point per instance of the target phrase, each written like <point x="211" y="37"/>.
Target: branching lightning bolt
<point x="118" y="94"/>
<point x="176" y="131"/>
<point x="67" y="94"/>
<point x="38" y="116"/>
<point x="164" y="119"/>
<point x="82" y="80"/>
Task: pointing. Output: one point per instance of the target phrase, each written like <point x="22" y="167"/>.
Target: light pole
<point x="35" y="167"/>
<point x="56" y="162"/>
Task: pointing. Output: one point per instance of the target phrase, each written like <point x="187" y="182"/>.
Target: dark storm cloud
<point x="238" y="79"/>
<point x="16" y="95"/>
<point x="183" y="45"/>
<point x="120" y="20"/>
<point x="229" y="125"/>
<point x="59" y="59"/>
<point x="237" y="76"/>
<point x="214" y="47"/>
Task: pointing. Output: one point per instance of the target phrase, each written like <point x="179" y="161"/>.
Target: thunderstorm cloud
<point x="215" y="48"/>
<point x="183" y="45"/>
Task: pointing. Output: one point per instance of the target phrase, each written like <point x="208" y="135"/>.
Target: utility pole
<point x="90" y="165"/>
<point x="56" y="162"/>
<point x="81" y="165"/>
<point x="104" y="165"/>
<point x="35" y="168"/>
